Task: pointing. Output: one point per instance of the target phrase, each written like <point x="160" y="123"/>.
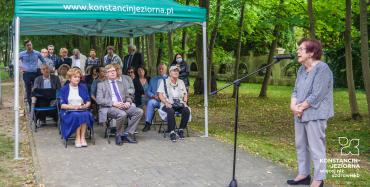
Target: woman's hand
<point x="297" y="110"/>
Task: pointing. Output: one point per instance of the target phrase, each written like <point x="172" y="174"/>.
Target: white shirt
<point x="114" y="96"/>
<point x="74" y="97"/>
<point x="78" y="63"/>
<point x="174" y="92"/>
<point x="47" y="83"/>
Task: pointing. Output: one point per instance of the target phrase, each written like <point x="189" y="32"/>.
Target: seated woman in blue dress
<point x="75" y="101"/>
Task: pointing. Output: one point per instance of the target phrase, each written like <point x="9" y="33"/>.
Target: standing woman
<point x="184" y="69"/>
<point x="64" y="59"/>
<point x="75" y="101"/>
<point x="312" y="106"/>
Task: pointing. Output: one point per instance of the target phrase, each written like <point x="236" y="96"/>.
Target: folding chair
<point x="112" y="130"/>
<point x="109" y="129"/>
<point x="90" y="131"/>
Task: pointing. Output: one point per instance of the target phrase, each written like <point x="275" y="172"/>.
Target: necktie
<point x="119" y="99"/>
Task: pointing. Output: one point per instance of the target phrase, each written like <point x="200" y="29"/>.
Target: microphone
<point x="284" y="56"/>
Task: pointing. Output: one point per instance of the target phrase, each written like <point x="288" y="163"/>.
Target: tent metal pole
<point x="16" y="89"/>
<point x="204" y="28"/>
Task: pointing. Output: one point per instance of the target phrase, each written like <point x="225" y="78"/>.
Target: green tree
<point x="349" y="69"/>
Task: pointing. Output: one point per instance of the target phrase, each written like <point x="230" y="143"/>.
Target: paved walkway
<point x="154" y="161"/>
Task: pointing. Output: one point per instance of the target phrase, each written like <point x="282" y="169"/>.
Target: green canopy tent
<point x="115" y="18"/>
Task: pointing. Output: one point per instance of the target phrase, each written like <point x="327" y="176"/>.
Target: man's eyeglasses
<point x="130" y="72"/>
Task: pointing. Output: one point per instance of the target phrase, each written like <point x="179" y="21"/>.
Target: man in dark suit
<point x="44" y="91"/>
<point x="46" y="80"/>
<point x="134" y="59"/>
<point x="115" y="102"/>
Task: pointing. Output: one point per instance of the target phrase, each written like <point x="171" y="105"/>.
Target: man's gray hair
<point x="131" y="46"/>
<point x="51" y="46"/>
<point x="75" y="50"/>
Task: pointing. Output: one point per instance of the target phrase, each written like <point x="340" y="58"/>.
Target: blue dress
<point x="71" y="120"/>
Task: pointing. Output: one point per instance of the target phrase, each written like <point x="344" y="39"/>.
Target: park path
<point x="154" y="161"/>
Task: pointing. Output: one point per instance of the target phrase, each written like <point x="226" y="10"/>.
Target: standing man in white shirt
<point x="78" y="60"/>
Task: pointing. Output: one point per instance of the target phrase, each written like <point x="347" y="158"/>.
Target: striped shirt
<point x="315" y="87"/>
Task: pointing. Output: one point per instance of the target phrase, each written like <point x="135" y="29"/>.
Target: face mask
<point x="179" y="60"/>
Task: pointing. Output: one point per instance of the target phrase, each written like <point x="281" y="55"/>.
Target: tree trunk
<point x="137" y="43"/>
<point x="6" y="55"/>
<point x="184" y="38"/>
<point x="93" y="42"/>
<point x="76" y="42"/>
<point x="239" y="45"/>
<point x="266" y="79"/>
<point x="142" y="45"/>
<point x="365" y="51"/>
<point x="198" y="83"/>
<point x="183" y="43"/>
<point x="120" y="47"/>
<point x="160" y="50"/>
<point x="151" y="62"/>
<point x="148" y="54"/>
<point x="312" y="19"/>
<point x="170" y="47"/>
<point x="349" y="67"/>
<point x="211" y="74"/>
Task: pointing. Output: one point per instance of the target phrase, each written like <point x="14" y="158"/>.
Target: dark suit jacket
<point x="136" y="62"/>
<point x="54" y="81"/>
<point x="61" y="61"/>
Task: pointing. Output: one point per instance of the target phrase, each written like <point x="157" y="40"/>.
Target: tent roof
<point x="119" y="18"/>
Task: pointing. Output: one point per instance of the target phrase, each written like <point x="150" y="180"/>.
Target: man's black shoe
<point x="146" y="128"/>
<point x="181" y="134"/>
<point x="128" y="139"/>
<point x="118" y="140"/>
<point x="305" y="181"/>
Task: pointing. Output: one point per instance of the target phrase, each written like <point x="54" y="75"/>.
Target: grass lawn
<point x="3" y="74"/>
<point x="266" y="127"/>
<point x="14" y="172"/>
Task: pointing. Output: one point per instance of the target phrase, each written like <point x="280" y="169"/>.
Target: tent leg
<point x="16" y="88"/>
<point x="204" y="28"/>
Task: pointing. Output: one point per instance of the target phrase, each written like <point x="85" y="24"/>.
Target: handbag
<point x="176" y="105"/>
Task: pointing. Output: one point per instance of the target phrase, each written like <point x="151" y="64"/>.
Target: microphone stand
<point x="236" y="84"/>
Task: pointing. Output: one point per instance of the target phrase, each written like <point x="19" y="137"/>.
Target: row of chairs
<point x="43" y="107"/>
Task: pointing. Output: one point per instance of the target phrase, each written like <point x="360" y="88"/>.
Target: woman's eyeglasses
<point x="130" y="72"/>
